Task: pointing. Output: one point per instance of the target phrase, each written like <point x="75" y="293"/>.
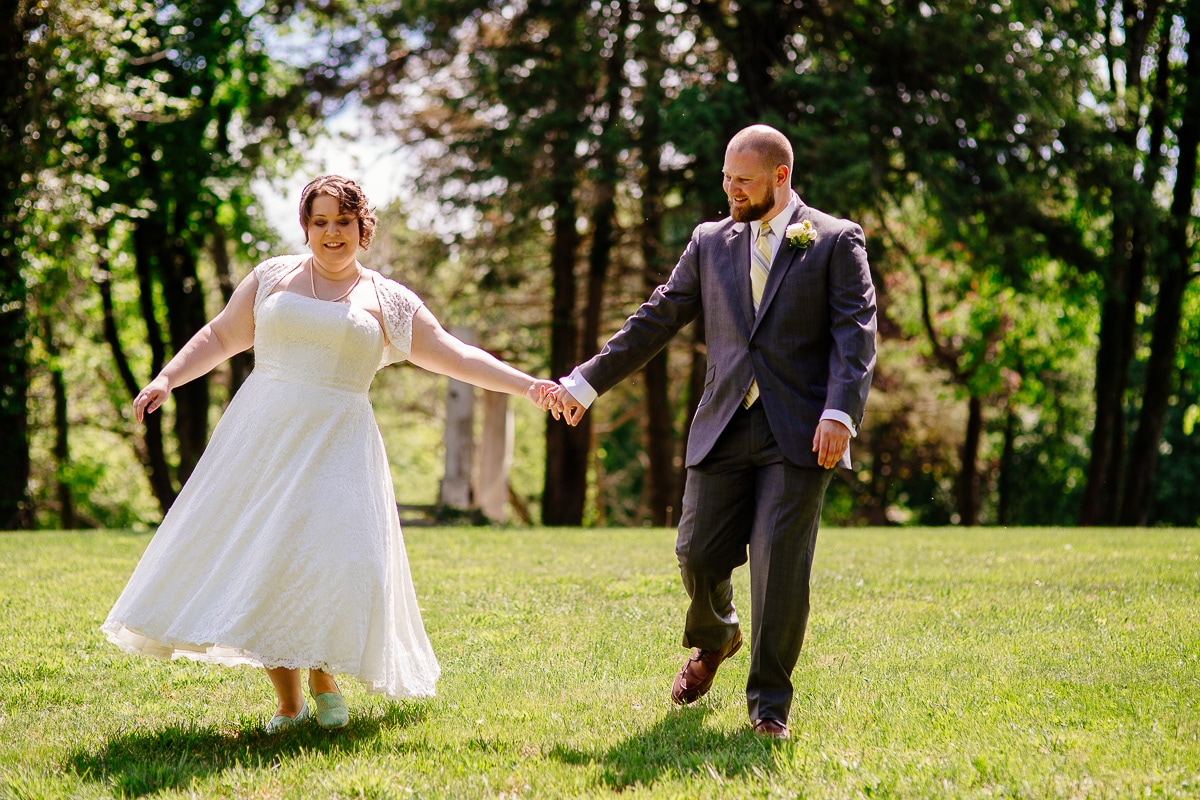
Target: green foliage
<point x="225" y="109"/>
<point x="1026" y="352"/>
<point x="1013" y="161"/>
<point x="155" y="118"/>
<point x="1038" y="663"/>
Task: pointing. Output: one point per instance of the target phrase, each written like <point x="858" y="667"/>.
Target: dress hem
<point x="137" y="643"/>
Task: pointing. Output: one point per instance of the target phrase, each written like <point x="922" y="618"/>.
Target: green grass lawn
<point x="939" y="663"/>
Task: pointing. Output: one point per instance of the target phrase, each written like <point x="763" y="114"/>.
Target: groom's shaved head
<point x="766" y="142"/>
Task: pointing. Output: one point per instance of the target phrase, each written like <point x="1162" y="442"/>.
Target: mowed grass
<point x="939" y="663"/>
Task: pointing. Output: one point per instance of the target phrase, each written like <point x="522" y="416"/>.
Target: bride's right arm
<point x="229" y="333"/>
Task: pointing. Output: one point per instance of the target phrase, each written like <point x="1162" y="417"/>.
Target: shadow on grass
<point x="680" y="745"/>
<point x="142" y="762"/>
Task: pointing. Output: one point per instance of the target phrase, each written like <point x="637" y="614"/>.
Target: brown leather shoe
<point x="771" y="728"/>
<point x="696" y="675"/>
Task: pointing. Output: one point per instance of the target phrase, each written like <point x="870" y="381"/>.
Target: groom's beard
<point x="752" y="211"/>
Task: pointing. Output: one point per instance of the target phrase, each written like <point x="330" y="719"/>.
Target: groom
<point x="789" y="314"/>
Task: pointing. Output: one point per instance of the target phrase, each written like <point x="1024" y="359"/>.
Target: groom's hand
<point x="566" y="407"/>
<point x="830" y="442"/>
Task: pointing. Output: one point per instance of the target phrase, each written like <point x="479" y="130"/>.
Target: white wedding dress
<point x="284" y="547"/>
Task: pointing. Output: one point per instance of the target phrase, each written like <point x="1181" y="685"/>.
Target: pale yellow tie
<point x="760" y="267"/>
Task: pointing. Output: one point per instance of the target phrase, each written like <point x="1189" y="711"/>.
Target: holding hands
<point x="559" y="402"/>
<point x="541" y="393"/>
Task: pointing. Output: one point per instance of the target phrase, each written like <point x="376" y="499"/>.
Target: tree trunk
<point x="598" y="263"/>
<point x="155" y="458"/>
<point x="456" y="489"/>
<point x="184" y="299"/>
<point x="62" y="444"/>
<point x="565" y="488"/>
<point x="15" y="510"/>
<point x="755" y="37"/>
<point x="151" y="453"/>
<point x="1117" y="330"/>
<point x="1156" y="394"/>
<point x="967" y="489"/>
<point x="242" y="363"/>
<point x="1125" y="274"/>
<point x="660" y="444"/>
<point x="494" y="457"/>
<point x="165" y="253"/>
<point x="15" y="162"/>
<point x="1004" y="499"/>
<point x="1176" y="264"/>
<point x="711" y="208"/>
<point x="662" y="481"/>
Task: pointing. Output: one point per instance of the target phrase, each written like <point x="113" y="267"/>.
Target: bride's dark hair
<point x="350" y="197"/>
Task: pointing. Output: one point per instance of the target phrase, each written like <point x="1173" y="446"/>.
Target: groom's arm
<point x="645" y="333"/>
<point x="852" y="355"/>
<point x="670" y="307"/>
<point x="853" y="327"/>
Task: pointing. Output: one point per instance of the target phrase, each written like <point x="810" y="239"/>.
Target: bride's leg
<point x="321" y="682"/>
<point x="287" y="687"/>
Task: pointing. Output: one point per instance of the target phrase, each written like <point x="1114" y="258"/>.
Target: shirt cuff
<point x="579" y="388"/>
<point x="829" y="413"/>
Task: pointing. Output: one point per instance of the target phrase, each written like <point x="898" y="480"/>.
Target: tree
<point x="521" y="107"/>
<point x="20" y="154"/>
<point x="176" y="175"/>
<point x="1175" y="270"/>
<point x="1036" y="141"/>
<point x="137" y="130"/>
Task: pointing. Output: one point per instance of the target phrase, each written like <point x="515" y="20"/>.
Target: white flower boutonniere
<point x="800" y="234"/>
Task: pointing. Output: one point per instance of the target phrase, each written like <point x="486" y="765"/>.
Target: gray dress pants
<point x="745" y="500"/>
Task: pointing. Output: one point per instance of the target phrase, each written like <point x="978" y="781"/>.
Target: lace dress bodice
<point x="302" y="340"/>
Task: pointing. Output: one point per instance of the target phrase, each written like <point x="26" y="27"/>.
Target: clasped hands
<point x="829" y="442"/>
<point x="554" y="397"/>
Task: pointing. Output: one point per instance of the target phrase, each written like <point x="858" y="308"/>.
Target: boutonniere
<point x="800" y="234"/>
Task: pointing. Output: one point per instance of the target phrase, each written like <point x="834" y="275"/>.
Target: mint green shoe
<point x="280" y="723"/>
<point x="331" y="710"/>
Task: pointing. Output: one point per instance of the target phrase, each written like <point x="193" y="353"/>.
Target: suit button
<point x="753" y="347"/>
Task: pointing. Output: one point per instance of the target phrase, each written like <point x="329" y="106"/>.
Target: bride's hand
<point x="151" y="397"/>
<point x="541" y="393"/>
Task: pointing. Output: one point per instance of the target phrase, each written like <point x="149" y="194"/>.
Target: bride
<point x="283" y="549"/>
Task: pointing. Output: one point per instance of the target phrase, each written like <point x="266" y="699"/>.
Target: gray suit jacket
<point x="811" y="346"/>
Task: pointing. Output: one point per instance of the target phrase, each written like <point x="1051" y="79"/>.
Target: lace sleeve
<point x="399" y="304"/>
<point x="270" y="272"/>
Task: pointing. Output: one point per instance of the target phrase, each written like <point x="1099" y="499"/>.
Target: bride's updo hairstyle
<point x="351" y="198"/>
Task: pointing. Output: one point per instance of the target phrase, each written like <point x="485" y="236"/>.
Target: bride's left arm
<point x="435" y="349"/>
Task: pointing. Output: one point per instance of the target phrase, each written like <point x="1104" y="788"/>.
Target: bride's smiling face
<point x="332" y="234"/>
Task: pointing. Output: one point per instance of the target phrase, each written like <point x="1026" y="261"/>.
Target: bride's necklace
<point x="312" y="282"/>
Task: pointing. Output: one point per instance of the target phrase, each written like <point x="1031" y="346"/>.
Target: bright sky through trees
<point x="348" y="148"/>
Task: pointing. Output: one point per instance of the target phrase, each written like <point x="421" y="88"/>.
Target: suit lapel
<point x="738" y="240"/>
<point x="785" y="259"/>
